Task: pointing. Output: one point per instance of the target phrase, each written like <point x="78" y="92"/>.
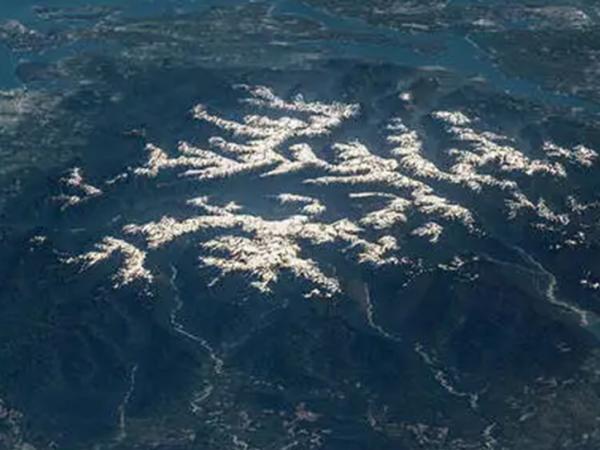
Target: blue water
<point x="461" y="54"/>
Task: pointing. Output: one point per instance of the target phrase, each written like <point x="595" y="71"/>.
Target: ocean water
<point x="299" y="224"/>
